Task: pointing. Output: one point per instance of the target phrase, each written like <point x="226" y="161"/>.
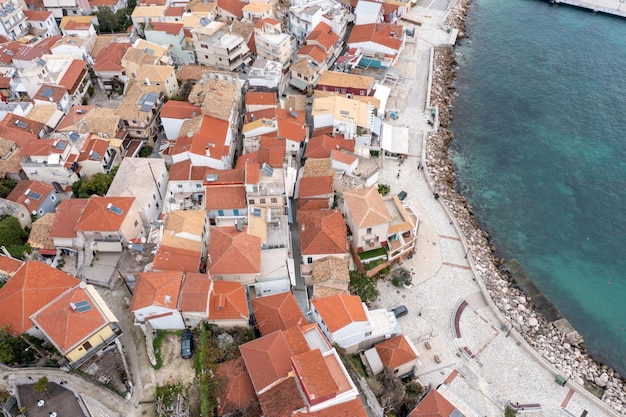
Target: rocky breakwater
<point x="569" y="360"/>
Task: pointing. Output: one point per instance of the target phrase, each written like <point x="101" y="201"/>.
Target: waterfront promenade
<point x="482" y="364"/>
<point x="613" y="7"/>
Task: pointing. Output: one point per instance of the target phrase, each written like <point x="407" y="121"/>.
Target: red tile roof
<point x="171" y="258"/>
<point x="74" y="75"/>
<point x="9" y="265"/>
<point x="290" y="127"/>
<point x="352" y="408"/>
<point x="32" y="287"/>
<point x="433" y="405"/>
<point x="194" y="294"/>
<point x="282" y="399"/>
<point x="208" y="141"/>
<point x="67" y="215"/>
<point x="110" y="58"/>
<point x="260" y="98"/>
<point x="253" y="172"/>
<point x="157" y="289"/>
<point x="323" y="35"/>
<point x="9" y="50"/>
<point x="64" y="325"/>
<point x="296" y="340"/>
<point x="74" y="25"/>
<point x="74" y="116"/>
<point x="234" y="7"/>
<point x="98" y="217"/>
<point x="174" y="11"/>
<point x="233" y="252"/>
<point x="180" y="171"/>
<point x="322" y="232"/>
<point x="273" y="156"/>
<point x="174" y="109"/>
<point x="395" y="352"/>
<point x="228" y="301"/>
<point x="225" y="197"/>
<point x="277" y="312"/>
<point x="308" y="204"/>
<point x="98" y="3"/>
<point x="315" y="378"/>
<point x="268" y="359"/>
<point x="321" y="146"/>
<point x="54" y="93"/>
<point x="237" y="392"/>
<point x="32" y="126"/>
<point x="313" y="51"/>
<point x="37" y="15"/>
<point x="386" y="34"/>
<point x="315" y="186"/>
<point x="170" y="28"/>
<point x="224" y="176"/>
<point x="340" y="310"/>
<point x="20" y="194"/>
<point x="93" y="149"/>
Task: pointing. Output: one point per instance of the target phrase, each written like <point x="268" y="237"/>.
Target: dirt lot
<point x="174" y="369"/>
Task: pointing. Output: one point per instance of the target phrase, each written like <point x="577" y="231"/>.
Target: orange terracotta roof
<point x="40" y="147"/>
<point x="67" y="215"/>
<point x="209" y="140"/>
<point x="224" y="176"/>
<point x="343" y="157"/>
<point x="260" y="98"/>
<point x="237" y="393"/>
<point x="269" y="113"/>
<point x="296" y="340"/>
<point x="194" y="294"/>
<point x="170" y="28"/>
<point x="366" y="206"/>
<point x="37" y="15"/>
<point x="30" y="126"/>
<point x="433" y="405"/>
<point x="54" y="93"/>
<point x="290" y="127"/>
<point x="65" y="326"/>
<point x="180" y="171"/>
<point x="228" y="301"/>
<point x="268" y="359"/>
<point x="223" y="197"/>
<point x="174" y="11"/>
<point x="93" y="149"/>
<point x="234" y="7"/>
<point x="308" y="204"/>
<point x="74" y="116"/>
<point x="321" y="146"/>
<point x="273" y="156"/>
<point x="315" y="378"/>
<point x="234" y="252"/>
<point x="322" y="232"/>
<point x="22" y="194"/>
<point x="171" y="258"/>
<point x="277" y="312"/>
<point x="74" y="75"/>
<point x="74" y="25"/>
<point x="395" y="352"/>
<point x="315" y="186"/>
<point x="386" y="34"/>
<point x="32" y="287"/>
<point x="323" y="35"/>
<point x="313" y="51"/>
<point x="352" y="408"/>
<point x="179" y="110"/>
<point x="110" y="58"/>
<point x="99" y="217"/>
<point x="282" y="400"/>
<point x="253" y="172"/>
<point x="99" y="3"/>
<point x="8" y="265"/>
<point x="339" y="310"/>
<point x="157" y="289"/>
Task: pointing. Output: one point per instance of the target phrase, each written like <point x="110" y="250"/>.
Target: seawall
<point x="542" y="340"/>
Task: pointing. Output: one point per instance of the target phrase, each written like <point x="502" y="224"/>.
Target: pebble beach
<point x="571" y="361"/>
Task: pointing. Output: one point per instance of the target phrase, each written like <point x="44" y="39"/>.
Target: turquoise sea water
<point x="540" y="152"/>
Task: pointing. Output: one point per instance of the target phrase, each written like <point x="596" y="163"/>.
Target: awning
<point x="395" y="139"/>
<point x="47" y="252"/>
<point x="298" y="83"/>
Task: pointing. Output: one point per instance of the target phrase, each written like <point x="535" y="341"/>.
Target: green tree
<point x="14" y="349"/>
<point x="363" y="286"/>
<point x="41" y="385"/>
<point x="13" y="237"/>
<point x="98" y="184"/>
<point x="6" y="186"/>
<point x="383" y="189"/>
<point x="109" y="21"/>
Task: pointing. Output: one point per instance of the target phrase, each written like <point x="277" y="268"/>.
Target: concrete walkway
<point x="488" y="367"/>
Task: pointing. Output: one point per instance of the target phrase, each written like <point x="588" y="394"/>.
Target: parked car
<point x="401" y="195"/>
<point x="186" y="344"/>
<point x="400" y="311"/>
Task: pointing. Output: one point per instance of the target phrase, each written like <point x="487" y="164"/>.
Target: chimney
<point x="73" y="306"/>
